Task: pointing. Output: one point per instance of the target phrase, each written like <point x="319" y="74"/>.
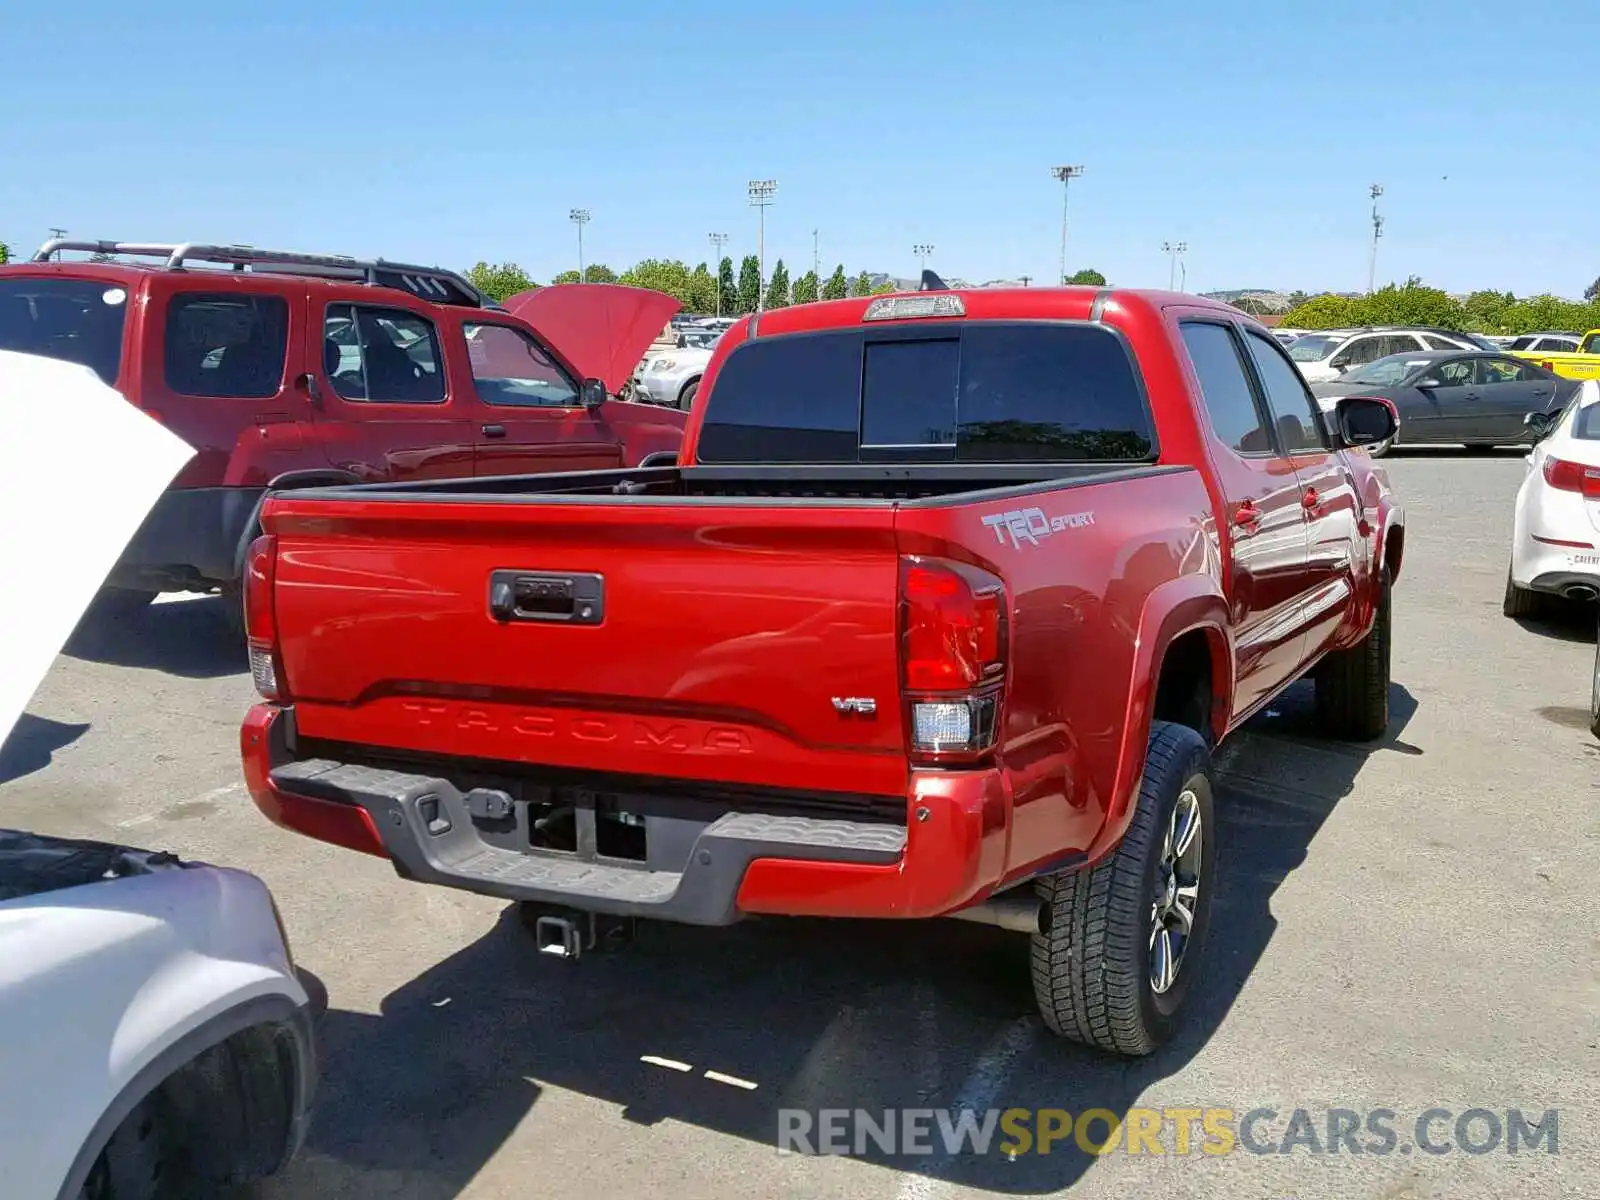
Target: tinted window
<point x="1313" y="347"/>
<point x="1361" y="351"/>
<point x="1455" y="373"/>
<point x="991" y="393"/>
<point x="1506" y="370"/>
<point x="1400" y="343"/>
<point x="385" y="355"/>
<point x="226" y="345"/>
<point x="908" y="395"/>
<point x="1438" y="343"/>
<point x="1225" y="388"/>
<point x="1293" y="410"/>
<point x="77" y="320"/>
<point x="1586" y="423"/>
<point x="509" y="367"/>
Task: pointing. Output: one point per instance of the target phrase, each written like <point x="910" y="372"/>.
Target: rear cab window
<point x="226" y="344"/>
<point x="974" y="392"/>
<point x="75" y="320"/>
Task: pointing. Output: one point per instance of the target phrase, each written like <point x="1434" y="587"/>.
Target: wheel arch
<point x="308" y="477"/>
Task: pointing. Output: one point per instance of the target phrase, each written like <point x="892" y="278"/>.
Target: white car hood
<point x="80" y="468"/>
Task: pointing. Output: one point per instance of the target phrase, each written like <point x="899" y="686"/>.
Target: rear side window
<point x="227" y="345"/>
<point x="382" y="355"/>
<point x="75" y="320"/>
<point x="1225" y="388"/>
<point x="982" y="392"/>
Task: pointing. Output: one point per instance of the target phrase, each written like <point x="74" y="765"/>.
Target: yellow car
<point x="1582" y="363"/>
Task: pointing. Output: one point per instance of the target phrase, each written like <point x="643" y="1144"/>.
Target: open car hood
<point x="66" y="516"/>
<point x="601" y="329"/>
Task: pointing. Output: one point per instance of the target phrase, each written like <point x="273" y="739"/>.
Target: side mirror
<point x="1340" y="363"/>
<point x="593" y="393"/>
<point x="1365" y="420"/>
<point x="1539" y="424"/>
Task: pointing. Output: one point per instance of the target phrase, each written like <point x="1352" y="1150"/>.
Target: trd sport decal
<point x="1031" y="524"/>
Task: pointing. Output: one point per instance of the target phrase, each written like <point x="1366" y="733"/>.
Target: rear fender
<point x="311" y="477"/>
<point x="1189" y="602"/>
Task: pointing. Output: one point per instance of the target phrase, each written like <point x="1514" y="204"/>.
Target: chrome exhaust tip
<point x="1020" y="914"/>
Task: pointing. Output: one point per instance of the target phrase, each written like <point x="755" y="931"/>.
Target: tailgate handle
<point x="567" y="599"/>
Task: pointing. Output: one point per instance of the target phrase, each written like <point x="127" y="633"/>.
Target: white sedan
<point x="155" y="1038"/>
<point x="1555" y="541"/>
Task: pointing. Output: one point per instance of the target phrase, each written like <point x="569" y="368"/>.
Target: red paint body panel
<point x="729" y="626"/>
<point x="603" y="329"/>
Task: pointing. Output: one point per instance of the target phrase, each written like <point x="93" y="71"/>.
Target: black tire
<point x="1594" y="693"/>
<point x="1353" y="685"/>
<point x="1523" y="603"/>
<point x="116" y="604"/>
<point x="690" y="391"/>
<point x="1092" y="967"/>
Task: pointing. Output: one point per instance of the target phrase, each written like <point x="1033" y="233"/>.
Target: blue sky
<point x="450" y="133"/>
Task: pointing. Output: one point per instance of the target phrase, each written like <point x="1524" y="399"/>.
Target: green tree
<point x="725" y="285"/>
<point x="778" y="286"/>
<point x="1322" y="312"/>
<point x="862" y="285"/>
<point x="1412" y="303"/>
<point x="884" y="288"/>
<point x="5" y="253"/>
<point x="702" y="291"/>
<point x="1089" y="276"/>
<point x="1548" y="312"/>
<point x="805" y="288"/>
<point x="499" y="282"/>
<point x="1296" y="299"/>
<point x="565" y="277"/>
<point x="1485" y="310"/>
<point x="593" y="273"/>
<point x="1590" y="293"/>
<point x="660" y="275"/>
<point x="749" y="284"/>
<point x="837" y="287"/>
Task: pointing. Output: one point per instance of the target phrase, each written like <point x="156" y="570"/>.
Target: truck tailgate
<point x="716" y="640"/>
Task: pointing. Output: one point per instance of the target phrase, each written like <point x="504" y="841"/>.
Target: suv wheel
<point x="686" y="397"/>
<point x="1124" y="940"/>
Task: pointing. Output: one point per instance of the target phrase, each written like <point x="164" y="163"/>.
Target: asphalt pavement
<point x="1406" y="926"/>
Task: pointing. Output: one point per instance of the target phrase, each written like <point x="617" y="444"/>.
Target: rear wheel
<point x="1124" y="939"/>
<point x="686" y="397"/>
<point x="1521" y="602"/>
<point x="1353" y="685"/>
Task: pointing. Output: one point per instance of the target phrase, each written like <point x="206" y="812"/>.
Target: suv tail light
<point x="953" y="634"/>
<point x="260" y="620"/>
<point x="1567" y="476"/>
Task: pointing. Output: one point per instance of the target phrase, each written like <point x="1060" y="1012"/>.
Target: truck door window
<point x="1293" y="410"/>
<point x="382" y="355"/>
<point x="1225" y="390"/>
<point x="510" y="368"/>
<point x="77" y="320"/>
<point x="226" y="344"/>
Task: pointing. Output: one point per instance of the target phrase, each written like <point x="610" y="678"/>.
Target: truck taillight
<point x="1572" y="477"/>
<point x="953" y="642"/>
<point x="260" y="620"/>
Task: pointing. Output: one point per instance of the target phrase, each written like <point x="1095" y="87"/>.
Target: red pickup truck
<point x="941" y="613"/>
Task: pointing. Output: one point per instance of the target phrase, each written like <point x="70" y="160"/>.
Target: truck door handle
<point x="1309" y="500"/>
<point x="494" y="431"/>
<point x="1469" y="395"/>
<point x="1541" y="391"/>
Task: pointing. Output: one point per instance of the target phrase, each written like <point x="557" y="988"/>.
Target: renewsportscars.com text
<point x="1176" y="1131"/>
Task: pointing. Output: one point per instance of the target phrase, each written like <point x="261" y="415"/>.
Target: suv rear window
<point x="226" y="344"/>
<point x="979" y="392"/>
<point x="77" y="320"/>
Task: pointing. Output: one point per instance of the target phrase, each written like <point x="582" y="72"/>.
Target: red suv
<point x="285" y="369"/>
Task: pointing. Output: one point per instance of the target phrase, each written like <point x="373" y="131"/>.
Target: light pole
<point x="718" y="241"/>
<point x="1377" y="232"/>
<point x="761" y="192"/>
<point x="923" y="251"/>
<point x="1066" y="175"/>
<point x="816" y="260"/>
<point x="1173" y="251"/>
<point x="580" y="218"/>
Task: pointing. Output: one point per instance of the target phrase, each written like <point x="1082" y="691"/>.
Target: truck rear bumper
<point x="949" y="852"/>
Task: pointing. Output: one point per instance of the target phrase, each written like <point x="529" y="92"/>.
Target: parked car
<point x="1555" y="533"/>
<point x="1580" y="363"/>
<point x="835" y="664"/>
<point x="673" y="376"/>
<point x="1446" y="397"/>
<point x="1330" y="353"/>
<point x="1560" y="342"/>
<point x="308" y="369"/>
<point x="158" y="1040"/>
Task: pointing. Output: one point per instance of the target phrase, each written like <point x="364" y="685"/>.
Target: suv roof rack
<point x="427" y="283"/>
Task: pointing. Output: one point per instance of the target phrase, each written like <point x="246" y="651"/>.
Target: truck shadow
<point x="186" y="637"/>
<point x="32" y="744"/>
<point x="792" y="1015"/>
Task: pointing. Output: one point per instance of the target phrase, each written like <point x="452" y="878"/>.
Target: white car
<point x="1326" y="355"/>
<point x="157" y="1039"/>
<point x="672" y="377"/>
<point x="1555" y="537"/>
